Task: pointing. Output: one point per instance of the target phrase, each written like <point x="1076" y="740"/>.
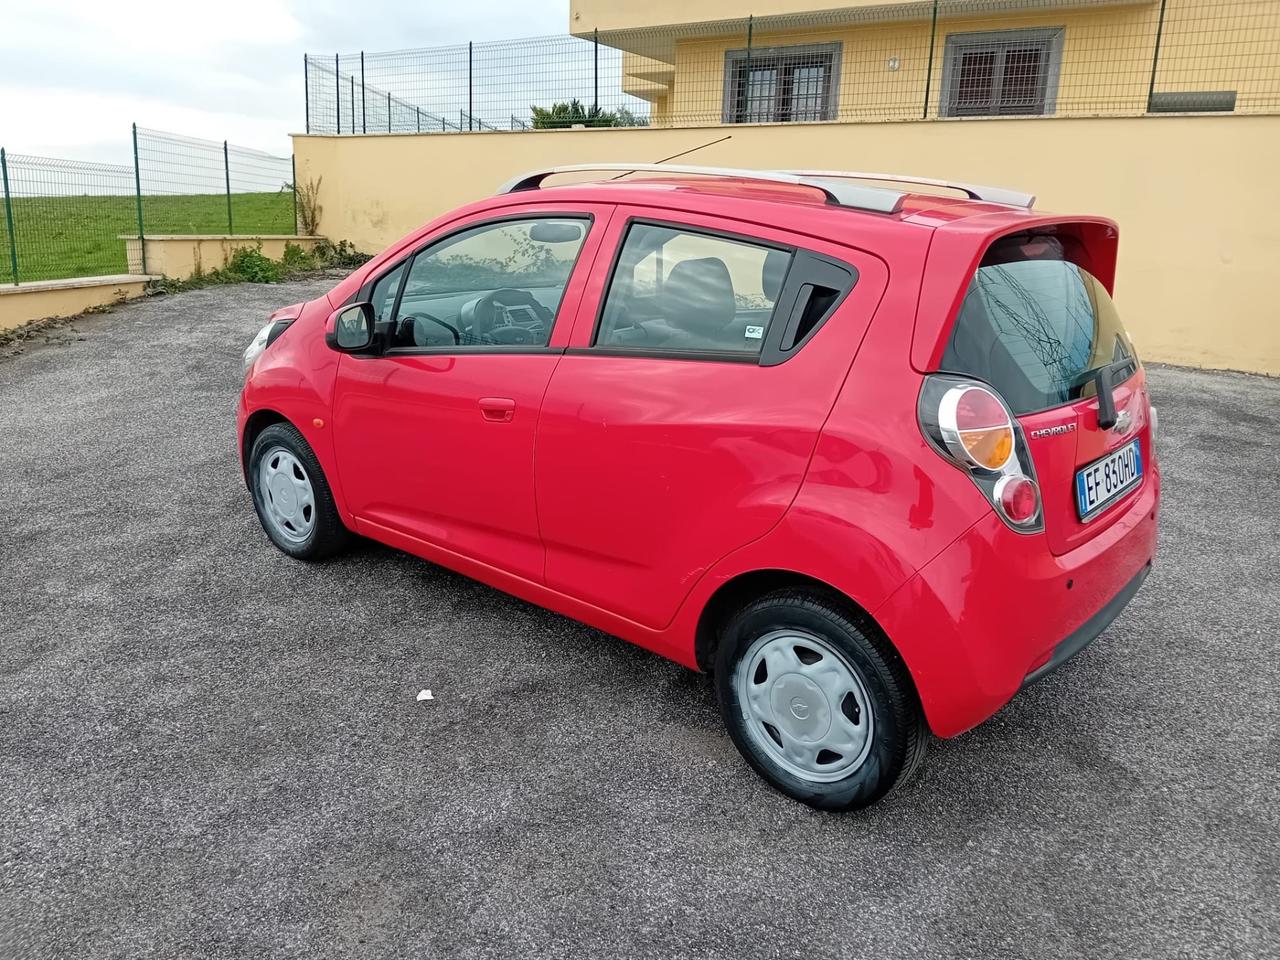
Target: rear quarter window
<point x="1035" y="326"/>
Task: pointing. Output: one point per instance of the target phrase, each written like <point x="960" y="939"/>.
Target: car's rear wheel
<point x="817" y="702"/>
<point x="292" y="496"/>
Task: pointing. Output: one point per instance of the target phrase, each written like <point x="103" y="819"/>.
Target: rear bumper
<point x="1089" y="632"/>
<point x="997" y="610"/>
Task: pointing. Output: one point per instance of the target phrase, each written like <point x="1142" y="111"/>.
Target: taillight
<point x="1018" y="498"/>
<point x="970" y="425"/>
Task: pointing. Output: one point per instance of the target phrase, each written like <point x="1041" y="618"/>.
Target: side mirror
<point x="350" y="328"/>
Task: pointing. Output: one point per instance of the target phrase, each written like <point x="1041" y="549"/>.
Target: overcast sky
<point x="74" y="74"/>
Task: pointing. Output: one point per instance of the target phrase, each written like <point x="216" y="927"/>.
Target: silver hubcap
<point x="805" y="706"/>
<point x="289" y="503"/>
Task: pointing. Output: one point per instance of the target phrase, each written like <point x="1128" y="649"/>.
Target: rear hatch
<point x="1044" y="333"/>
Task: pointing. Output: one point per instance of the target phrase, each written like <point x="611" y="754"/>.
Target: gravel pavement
<point x="210" y="750"/>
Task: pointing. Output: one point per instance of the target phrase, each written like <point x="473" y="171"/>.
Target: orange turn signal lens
<point x="980" y="426"/>
<point x="989" y="447"/>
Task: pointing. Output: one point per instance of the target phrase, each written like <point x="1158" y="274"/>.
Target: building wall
<point x="1196" y="197"/>
<point x="1106" y="59"/>
<point x="588" y="15"/>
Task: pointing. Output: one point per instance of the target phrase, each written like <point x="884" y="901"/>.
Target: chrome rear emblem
<point x="1054" y="431"/>
<point x="1124" y="423"/>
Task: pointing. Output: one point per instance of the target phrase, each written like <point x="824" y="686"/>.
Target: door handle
<point x="498" y="409"/>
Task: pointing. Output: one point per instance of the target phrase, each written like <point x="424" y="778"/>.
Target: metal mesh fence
<point x="192" y="186"/>
<point x="477" y="87"/>
<point x="906" y="61"/>
<point x="65" y="218"/>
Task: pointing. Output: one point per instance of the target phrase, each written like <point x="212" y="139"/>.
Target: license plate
<point x="1104" y="481"/>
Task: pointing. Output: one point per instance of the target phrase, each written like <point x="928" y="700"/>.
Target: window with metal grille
<point x="1001" y="73"/>
<point x="781" y="84"/>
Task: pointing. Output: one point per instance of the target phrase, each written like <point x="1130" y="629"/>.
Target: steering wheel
<point x="484" y="315"/>
<point x="405" y="331"/>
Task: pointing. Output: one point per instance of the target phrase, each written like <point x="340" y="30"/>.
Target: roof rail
<point x="877" y="199"/>
<point x="974" y="191"/>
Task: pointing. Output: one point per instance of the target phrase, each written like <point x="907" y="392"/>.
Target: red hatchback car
<point x="877" y="458"/>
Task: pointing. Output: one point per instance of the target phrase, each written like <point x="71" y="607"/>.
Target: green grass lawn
<point x="79" y="236"/>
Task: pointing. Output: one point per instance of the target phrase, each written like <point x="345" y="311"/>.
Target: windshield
<point x="1035" y="326"/>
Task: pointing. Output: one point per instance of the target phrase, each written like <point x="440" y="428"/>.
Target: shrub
<point x="309" y="208"/>
<point x="571" y="114"/>
<point x="248" y="264"/>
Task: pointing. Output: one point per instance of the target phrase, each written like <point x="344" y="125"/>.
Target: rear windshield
<point x="1035" y="326"/>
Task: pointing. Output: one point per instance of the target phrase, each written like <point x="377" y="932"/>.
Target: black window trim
<point x="366" y="288"/>
<point x="771" y="351"/>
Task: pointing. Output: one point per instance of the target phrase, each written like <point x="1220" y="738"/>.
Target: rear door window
<point x="678" y="290"/>
<point x="1035" y="326"/>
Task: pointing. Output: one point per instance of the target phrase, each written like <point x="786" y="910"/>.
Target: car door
<point x="434" y="432"/>
<point x="680" y="422"/>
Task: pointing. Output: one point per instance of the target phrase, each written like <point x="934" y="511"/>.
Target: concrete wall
<point x="1196" y="198"/>
<point x="181" y="257"/>
<point x="64" y="298"/>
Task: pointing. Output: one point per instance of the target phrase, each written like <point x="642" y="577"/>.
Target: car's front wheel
<point x="816" y="702"/>
<point x="292" y="496"/>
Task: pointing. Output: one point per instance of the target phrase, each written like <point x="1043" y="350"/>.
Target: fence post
<point x="364" y="116"/>
<point x="306" y="83"/>
<point x="418" y="113"/>
<point x="226" y="169"/>
<point x="137" y="193"/>
<point x="1155" y="56"/>
<point x="353" y="106"/>
<point x="293" y="163"/>
<point x="388" y="111"/>
<point x="595" y="70"/>
<point x="470" y="85"/>
<point x="337" y="96"/>
<point x="928" y="76"/>
<point x="8" y="217"/>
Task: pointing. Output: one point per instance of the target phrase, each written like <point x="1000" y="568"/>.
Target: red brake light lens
<point x="1019" y="499"/>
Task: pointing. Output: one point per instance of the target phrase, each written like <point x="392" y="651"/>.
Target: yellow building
<point x="718" y="61"/>
<point x="1169" y="123"/>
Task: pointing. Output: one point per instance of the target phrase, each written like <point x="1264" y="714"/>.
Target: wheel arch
<point x="746" y="586"/>
<point x="256" y="422"/>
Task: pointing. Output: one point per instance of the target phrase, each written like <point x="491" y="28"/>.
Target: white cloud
<point x="74" y="74"/>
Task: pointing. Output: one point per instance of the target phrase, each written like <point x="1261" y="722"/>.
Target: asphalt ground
<point x="210" y="750"/>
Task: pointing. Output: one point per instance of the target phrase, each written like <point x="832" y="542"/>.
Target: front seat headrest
<point x="697" y="296"/>
<point x="772" y="272"/>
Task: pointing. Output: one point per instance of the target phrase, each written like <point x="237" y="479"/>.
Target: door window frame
<point x="588" y="217"/>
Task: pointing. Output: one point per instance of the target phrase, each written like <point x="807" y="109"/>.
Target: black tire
<point x="897" y="743"/>
<point x="327" y="535"/>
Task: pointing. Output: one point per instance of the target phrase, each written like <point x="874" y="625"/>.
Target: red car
<point x="879" y="458"/>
